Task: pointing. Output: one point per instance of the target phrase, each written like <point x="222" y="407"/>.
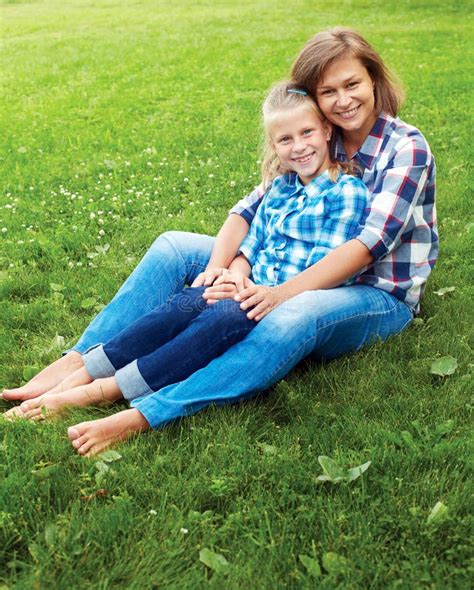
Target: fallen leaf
<point x="356" y="472"/>
<point x="444" y="291"/>
<point x="312" y="566"/>
<point x="438" y="512"/>
<point x="444" y="366"/>
<point x="332" y="471"/>
<point x="88" y="302"/>
<point x="109" y="456"/>
<point x="334" y="563"/>
<point x="214" y="561"/>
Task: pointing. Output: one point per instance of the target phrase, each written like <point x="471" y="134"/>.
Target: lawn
<point x="121" y="120"/>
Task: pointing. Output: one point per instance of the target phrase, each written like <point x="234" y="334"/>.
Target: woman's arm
<point x="333" y="270"/>
<point x="225" y="248"/>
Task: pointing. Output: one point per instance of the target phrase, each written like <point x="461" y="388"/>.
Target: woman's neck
<point x="353" y="140"/>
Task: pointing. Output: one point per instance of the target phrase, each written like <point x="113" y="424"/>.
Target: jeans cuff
<point x="97" y="363"/>
<point x="131" y="383"/>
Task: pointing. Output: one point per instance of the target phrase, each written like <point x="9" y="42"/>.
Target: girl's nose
<point x="299" y="146"/>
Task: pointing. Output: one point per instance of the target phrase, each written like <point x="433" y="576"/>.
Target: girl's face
<point x="300" y="140"/>
<point x="345" y="95"/>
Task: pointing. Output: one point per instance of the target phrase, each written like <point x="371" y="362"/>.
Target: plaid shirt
<point x="400" y="230"/>
<point x="297" y="225"/>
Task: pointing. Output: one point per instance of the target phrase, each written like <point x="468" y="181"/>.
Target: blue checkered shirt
<point x="296" y="225"/>
<point x="400" y="230"/>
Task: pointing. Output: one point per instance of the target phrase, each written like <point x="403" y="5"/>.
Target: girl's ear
<point x="327" y="130"/>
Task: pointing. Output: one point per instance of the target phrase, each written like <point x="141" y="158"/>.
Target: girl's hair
<point x="284" y="96"/>
<point x="329" y="46"/>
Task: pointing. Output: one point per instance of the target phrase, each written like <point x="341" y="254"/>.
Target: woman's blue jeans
<point x="323" y="324"/>
<point x="169" y="344"/>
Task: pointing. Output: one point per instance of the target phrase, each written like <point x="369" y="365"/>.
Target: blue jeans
<point x="323" y="324"/>
<point x="169" y="344"/>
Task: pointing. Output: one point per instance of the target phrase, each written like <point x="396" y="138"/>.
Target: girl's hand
<point x="207" y="277"/>
<point x="260" y="298"/>
<point x="227" y="286"/>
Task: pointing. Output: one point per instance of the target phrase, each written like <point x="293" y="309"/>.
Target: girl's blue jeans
<point x="323" y="324"/>
<point x="169" y="344"/>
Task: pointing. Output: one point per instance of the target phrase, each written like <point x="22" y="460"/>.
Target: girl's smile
<point x="300" y="140"/>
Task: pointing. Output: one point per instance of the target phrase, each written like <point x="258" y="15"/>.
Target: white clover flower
<point x="183" y="531"/>
<point x="153" y="512"/>
<point x="232" y="183"/>
<point x="92" y="215"/>
<point x="4" y="230"/>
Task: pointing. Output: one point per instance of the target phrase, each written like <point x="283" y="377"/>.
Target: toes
<point x="73" y="432"/>
<point x="85" y="449"/>
<point x="78" y="442"/>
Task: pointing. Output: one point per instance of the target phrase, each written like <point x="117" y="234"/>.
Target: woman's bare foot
<point x="90" y="438"/>
<point x="46" y="379"/>
<point x="79" y="377"/>
<point x="98" y="392"/>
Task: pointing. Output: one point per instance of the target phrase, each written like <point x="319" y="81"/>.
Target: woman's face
<point x="345" y="95"/>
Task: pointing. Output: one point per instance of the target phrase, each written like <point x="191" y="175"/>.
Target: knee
<point x="298" y="315"/>
<point x="170" y="242"/>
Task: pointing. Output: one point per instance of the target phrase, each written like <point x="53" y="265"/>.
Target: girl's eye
<point x="284" y="140"/>
<point x="308" y="131"/>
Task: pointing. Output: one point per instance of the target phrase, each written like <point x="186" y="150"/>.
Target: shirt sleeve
<point x="255" y="239"/>
<point x="344" y="215"/>
<point x="247" y="207"/>
<point x="396" y="195"/>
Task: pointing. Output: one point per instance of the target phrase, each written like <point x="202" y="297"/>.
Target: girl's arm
<point x="225" y="248"/>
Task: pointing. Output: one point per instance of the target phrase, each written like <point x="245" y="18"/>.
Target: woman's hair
<point x="329" y="46"/>
<point x="284" y="96"/>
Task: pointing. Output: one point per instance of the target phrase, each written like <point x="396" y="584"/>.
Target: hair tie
<point x="297" y="91"/>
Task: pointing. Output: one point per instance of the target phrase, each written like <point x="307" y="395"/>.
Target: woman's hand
<point x="260" y="298"/>
<point x="208" y="277"/>
<point x="226" y="286"/>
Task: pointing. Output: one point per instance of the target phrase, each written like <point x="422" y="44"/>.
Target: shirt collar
<point x="372" y="145"/>
<point x="320" y="183"/>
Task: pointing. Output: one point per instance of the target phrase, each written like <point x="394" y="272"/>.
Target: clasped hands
<point x="228" y="284"/>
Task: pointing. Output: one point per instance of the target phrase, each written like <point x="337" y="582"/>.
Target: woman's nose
<point x="343" y="99"/>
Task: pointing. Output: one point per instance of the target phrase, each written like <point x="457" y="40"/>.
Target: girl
<point x="310" y="208"/>
<point x="393" y="254"/>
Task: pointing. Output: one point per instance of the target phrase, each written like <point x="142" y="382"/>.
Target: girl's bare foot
<point x="46" y="379"/>
<point x="98" y="392"/>
<point x="90" y="438"/>
<point x="79" y="377"/>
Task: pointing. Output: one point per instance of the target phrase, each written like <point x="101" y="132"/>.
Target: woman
<point x="392" y="256"/>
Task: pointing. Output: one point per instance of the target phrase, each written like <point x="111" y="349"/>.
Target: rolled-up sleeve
<point x="248" y="205"/>
<point x="396" y="194"/>
<point x="255" y="239"/>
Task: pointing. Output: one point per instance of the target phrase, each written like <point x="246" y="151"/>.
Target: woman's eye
<point x="352" y="85"/>
<point x="326" y="92"/>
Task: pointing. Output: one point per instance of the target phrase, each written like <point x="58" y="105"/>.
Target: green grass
<point x="122" y="120"/>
